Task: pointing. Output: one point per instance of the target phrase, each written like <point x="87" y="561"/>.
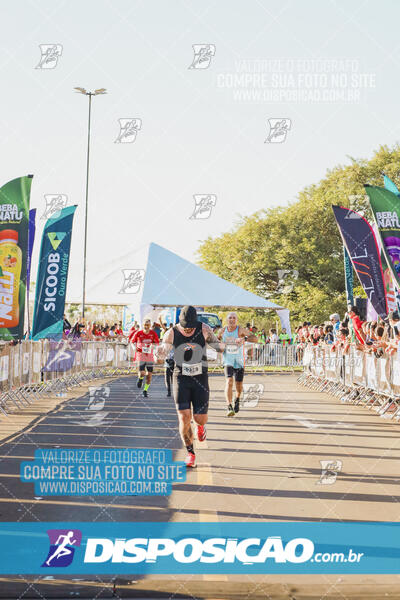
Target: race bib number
<point x="146" y="349"/>
<point x="231" y="348"/>
<point x="191" y="369"/>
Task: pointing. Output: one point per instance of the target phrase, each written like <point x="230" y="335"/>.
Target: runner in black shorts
<point x="169" y="370"/>
<point x="236" y="372"/>
<point x="144" y="341"/>
<point x="234" y="337"/>
<point x="190" y="377"/>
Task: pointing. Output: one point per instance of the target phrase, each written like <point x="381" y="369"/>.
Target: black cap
<point x="188" y="317"/>
<point x="394" y="315"/>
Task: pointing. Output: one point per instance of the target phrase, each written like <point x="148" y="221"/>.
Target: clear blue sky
<point x="198" y="135"/>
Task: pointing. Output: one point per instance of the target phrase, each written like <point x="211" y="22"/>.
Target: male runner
<point x="190" y="377"/>
<point x="144" y="339"/>
<point x="234" y="337"/>
<point x="169" y="371"/>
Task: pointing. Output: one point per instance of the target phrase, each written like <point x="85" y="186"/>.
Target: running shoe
<point x="237" y="405"/>
<point x="139" y="382"/>
<point x="231" y="412"/>
<point x="190" y="460"/>
<point x="145" y="393"/>
<point x="201" y="433"/>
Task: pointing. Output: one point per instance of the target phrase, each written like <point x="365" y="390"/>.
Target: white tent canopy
<point x="173" y="281"/>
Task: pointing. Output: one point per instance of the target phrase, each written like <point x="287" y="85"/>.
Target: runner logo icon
<point x="133" y="279"/>
<point x="50" y="53"/>
<point x="54" y="204"/>
<point x="62" y="547"/>
<point x="203" y="54"/>
<point x="278" y="129"/>
<point x="203" y="205"/>
<point x="329" y="471"/>
<point x="128" y="129"/>
<point x="252" y="393"/>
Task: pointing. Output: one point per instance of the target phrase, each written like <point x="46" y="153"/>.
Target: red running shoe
<point x="201" y="433"/>
<point x="190" y="460"/>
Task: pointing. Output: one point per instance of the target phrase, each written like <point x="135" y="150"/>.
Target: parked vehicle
<point x="171" y="315"/>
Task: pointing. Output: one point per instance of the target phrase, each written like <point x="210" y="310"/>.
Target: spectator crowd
<point x="88" y="330"/>
<point x="378" y="337"/>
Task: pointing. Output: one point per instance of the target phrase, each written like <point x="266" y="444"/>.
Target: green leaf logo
<point x="56" y="238"/>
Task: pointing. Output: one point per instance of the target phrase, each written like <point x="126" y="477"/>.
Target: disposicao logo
<point x="62" y="547"/>
<point x="189" y="550"/>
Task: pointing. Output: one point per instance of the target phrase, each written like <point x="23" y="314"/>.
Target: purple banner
<point x="61" y="356"/>
<point x="31" y="239"/>
<point x="359" y="239"/>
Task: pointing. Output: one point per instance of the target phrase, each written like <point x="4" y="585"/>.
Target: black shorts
<point x="191" y="392"/>
<point x="237" y="371"/>
<point x="146" y="365"/>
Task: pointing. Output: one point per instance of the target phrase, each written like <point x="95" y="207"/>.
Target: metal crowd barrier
<point x="275" y="355"/>
<point x="356" y="377"/>
<point x="29" y="370"/>
<point x="262" y="355"/>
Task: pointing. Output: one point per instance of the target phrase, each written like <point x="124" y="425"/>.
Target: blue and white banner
<point x="199" y="548"/>
<point x="51" y="284"/>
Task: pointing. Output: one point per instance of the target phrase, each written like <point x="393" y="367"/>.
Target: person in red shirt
<point x="357" y="324"/>
<point x="132" y="332"/>
<point x="144" y="340"/>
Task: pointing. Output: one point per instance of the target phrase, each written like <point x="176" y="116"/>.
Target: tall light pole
<point x="89" y="94"/>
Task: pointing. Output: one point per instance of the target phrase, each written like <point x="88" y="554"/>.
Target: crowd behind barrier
<point x="356" y="359"/>
<point x="30" y="369"/>
<point x="355" y="376"/>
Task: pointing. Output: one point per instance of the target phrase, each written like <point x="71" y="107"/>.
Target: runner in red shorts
<point x="145" y="339"/>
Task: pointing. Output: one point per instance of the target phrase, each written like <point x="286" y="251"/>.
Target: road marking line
<point x="302" y="421"/>
<point x="204" y="477"/>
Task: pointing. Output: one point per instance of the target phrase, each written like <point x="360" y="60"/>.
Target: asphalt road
<point x="263" y="464"/>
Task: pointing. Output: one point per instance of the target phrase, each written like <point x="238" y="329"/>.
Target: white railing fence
<point x="31" y="369"/>
<point x="356" y="377"/>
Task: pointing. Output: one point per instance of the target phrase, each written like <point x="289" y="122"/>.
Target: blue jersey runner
<point x="233" y="353"/>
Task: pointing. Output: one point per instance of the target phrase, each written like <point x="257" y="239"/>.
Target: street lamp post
<point x="89" y="94"/>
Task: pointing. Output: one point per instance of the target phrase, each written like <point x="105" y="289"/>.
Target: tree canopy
<point x="301" y="237"/>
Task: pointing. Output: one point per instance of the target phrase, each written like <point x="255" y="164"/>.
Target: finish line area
<point x="297" y="455"/>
